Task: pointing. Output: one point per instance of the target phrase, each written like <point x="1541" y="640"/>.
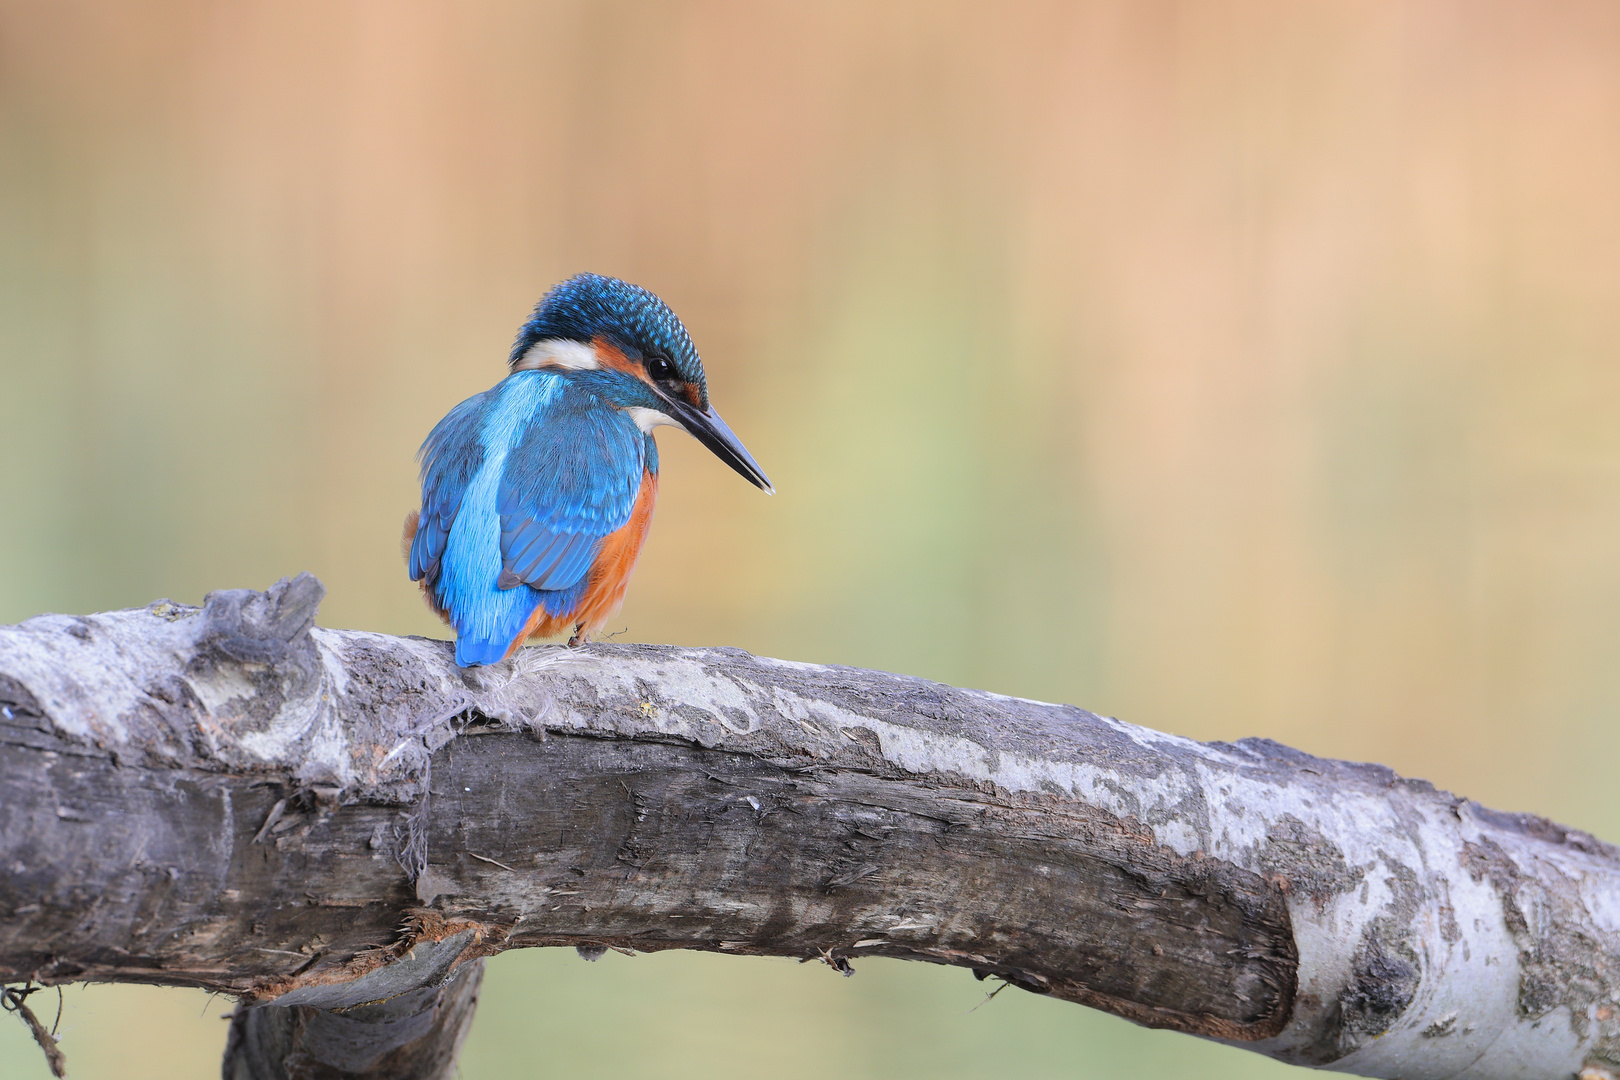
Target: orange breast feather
<point x="609" y="576"/>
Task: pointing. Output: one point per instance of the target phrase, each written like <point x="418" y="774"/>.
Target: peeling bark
<point x="335" y="826"/>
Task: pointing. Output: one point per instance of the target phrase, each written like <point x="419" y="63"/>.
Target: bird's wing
<point x="450" y="457"/>
<point x="571" y="480"/>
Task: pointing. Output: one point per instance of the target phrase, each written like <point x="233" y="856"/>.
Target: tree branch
<point x="339" y="822"/>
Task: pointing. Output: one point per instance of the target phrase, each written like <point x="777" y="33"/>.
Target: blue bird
<point x="537" y="493"/>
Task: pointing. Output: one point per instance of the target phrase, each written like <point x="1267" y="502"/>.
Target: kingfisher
<point x="537" y="493"/>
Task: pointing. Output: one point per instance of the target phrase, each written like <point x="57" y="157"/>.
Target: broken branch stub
<point x="230" y="797"/>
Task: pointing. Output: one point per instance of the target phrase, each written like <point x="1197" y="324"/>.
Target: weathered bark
<point x="228" y="797"/>
<point x="411" y="1033"/>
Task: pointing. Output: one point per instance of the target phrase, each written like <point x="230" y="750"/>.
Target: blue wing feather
<point x="537" y="556"/>
<point x="520" y="485"/>
<point x="451" y="455"/>
<point x="570" y="481"/>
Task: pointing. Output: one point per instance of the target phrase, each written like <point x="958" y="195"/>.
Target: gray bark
<point x="336" y="826"/>
<point x="414" y="1033"/>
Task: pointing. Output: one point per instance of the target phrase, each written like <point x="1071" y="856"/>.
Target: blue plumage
<point x="536" y="493"/>
<point x="590" y="306"/>
<point x="524" y="479"/>
<point x="571" y="479"/>
<point x="450" y="457"/>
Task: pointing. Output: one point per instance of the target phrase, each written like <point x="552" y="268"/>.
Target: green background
<point x="1234" y="368"/>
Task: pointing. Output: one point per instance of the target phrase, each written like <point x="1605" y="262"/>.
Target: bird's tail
<point x="473" y="653"/>
<point x="487" y="640"/>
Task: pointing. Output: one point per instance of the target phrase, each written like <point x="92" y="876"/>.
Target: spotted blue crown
<point x="591" y="306"/>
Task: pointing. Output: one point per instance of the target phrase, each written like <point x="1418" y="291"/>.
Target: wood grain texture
<point x="414" y="1035"/>
<point x="326" y="822"/>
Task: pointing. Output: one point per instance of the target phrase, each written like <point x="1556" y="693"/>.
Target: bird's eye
<point x="660" y="369"/>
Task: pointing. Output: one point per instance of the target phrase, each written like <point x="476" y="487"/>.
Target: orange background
<point x="1234" y="368"/>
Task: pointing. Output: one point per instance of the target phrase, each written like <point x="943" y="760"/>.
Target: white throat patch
<point x="558" y="353"/>
<point x="647" y="419"/>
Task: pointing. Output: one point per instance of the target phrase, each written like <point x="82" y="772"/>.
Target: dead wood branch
<point x="339" y="822"/>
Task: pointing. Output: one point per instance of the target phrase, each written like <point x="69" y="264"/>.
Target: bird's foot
<point x="578" y="640"/>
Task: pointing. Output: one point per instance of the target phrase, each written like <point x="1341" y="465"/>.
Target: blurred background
<point x="1233" y="368"/>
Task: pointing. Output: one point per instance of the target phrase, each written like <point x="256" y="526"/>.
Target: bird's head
<point x="649" y="364"/>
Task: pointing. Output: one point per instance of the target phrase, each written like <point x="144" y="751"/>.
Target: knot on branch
<point x="257" y="672"/>
<point x="270" y="627"/>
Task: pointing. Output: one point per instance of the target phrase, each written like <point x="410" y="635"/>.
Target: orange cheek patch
<point x="611" y="359"/>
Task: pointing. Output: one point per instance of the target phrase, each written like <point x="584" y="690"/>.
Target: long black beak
<point x="706" y="427"/>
